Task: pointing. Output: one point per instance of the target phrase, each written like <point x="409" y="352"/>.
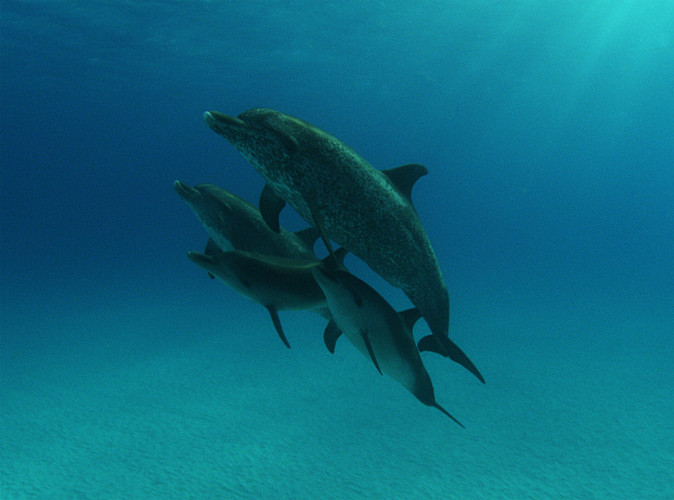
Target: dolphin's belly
<point x="299" y="297"/>
<point x="393" y="364"/>
<point x="284" y="296"/>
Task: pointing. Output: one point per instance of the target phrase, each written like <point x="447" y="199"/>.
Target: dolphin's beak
<point x="205" y="261"/>
<point x="186" y="192"/>
<point x="220" y="122"/>
<point x="323" y="275"/>
<point x="318" y="274"/>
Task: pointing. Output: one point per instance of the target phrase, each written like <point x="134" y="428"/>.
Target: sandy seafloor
<point x="547" y="130"/>
<point x="195" y="397"/>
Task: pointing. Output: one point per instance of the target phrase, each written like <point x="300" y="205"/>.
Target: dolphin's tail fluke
<point x="447" y="348"/>
<point x="436" y="405"/>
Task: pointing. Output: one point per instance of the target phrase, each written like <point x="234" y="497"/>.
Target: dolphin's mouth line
<point x="215" y="120"/>
<point x="199" y="258"/>
<point x="184" y="191"/>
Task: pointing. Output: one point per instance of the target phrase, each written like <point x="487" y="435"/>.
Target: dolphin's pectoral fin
<point x="451" y="350"/>
<point x="366" y="340"/>
<point x="280" y="130"/>
<point x="271" y="205"/>
<point x="330" y="336"/>
<point x="410" y="317"/>
<point x="226" y="209"/>
<point x="404" y="178"/>
<point x="335" y="261"/>
<point x="277" y="324"/>
<point x="308" y="236"/>
<point x="340" y="255"/>
<point x="318" y="222"/>
<point x="212" y="250"/>
<point x="436" y="405"/>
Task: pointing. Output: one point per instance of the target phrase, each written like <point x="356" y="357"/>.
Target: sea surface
<point x="548" y="132"/>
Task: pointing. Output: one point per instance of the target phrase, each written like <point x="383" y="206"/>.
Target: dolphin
<point x="367" y="211"/>
<point x="377" y="330"/>
<point x="277" y="283"/>
<point x="234" y="224"/>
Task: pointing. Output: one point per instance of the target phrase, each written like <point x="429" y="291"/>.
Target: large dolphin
<point x="367" y="211"/>
<point x="234" y="224"/>
<point x="377" y="330"/>
<point x="277" y="283"/>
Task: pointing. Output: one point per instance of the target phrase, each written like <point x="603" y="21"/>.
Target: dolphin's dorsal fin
<point x="410" y="317"/>
<point x="271" y="205"/>
<point x="212" y="249"/>
<point x="404" y="177"/>
<point x="277" y="324"/>
<point x="308" y="236"/>
<point x="330" y="336"/>
<point x="366" y="340"/>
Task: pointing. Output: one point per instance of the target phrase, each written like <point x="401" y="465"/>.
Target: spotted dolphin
<point x="367" y="211"/>
<point x="277" y="283"/>
<point x="377" y="330"/>
<point x="234" y="224"/>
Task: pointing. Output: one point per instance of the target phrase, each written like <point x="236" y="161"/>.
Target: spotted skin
<point x="358" y="206"/>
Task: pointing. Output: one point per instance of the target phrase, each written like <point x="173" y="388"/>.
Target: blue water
<point x="548" y="131"/>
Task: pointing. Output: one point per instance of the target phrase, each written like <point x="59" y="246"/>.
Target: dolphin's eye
<point x="283" y="133"/>
<point x="226" y="208"/>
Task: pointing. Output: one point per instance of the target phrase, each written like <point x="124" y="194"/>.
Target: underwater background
<point x="548" y="131"/>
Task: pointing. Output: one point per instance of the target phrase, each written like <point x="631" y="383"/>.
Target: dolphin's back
<point x="359" y="208"/>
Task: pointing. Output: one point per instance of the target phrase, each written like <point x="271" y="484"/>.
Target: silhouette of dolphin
<point x="277" y="283"/>
<point x="367" y="211"/>
<point x="234" y="224"/>
<point x="377" y="330"/>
